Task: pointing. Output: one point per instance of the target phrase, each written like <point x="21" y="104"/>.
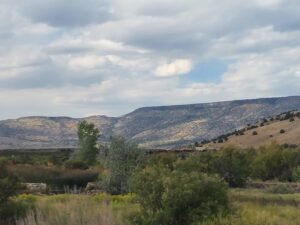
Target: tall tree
<point x="121" y="157"/>
<point x="88" y="135"/>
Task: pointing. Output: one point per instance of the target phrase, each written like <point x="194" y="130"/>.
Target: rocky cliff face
<point x="164" y="126"/>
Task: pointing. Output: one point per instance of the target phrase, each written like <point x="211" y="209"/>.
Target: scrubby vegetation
<point x="55" y="177"/>
<point x="290" y="116"/>
<point x="249" y="207"/>
<point x="9" y="187"/>
<point x="134" y="188"/>
<point x="175" y="196"/>
<point x="121" y="158"/>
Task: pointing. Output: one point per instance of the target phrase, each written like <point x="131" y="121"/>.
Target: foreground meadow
<point x="256" y="207"/>
<point x="160" y="189"/>
<point x="248" y="207"/>
<point x="71" y="209"/>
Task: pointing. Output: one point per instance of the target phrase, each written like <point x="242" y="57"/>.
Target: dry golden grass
<point x="291" y="135"/>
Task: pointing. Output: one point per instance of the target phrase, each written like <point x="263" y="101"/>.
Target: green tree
<point x="177" y="197"/>
<point x="274" y="162"/>
<point x="88" y="135"/>
<point x="120" y="157"/>
<point x="233" y="166"/>
<point x="9" y="186"/>
<point x="296" y="174"/>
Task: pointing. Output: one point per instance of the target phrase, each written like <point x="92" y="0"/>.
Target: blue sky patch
<point x="208" y="71"/>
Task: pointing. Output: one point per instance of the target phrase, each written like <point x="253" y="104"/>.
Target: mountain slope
<point x="164" y="126"/>
<point x="280" y="131"/>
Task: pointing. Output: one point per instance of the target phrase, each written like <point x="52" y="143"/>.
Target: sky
<point x="108" y="57"/>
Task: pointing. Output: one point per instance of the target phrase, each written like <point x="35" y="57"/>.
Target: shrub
<point x="274" y="162"/>
<point x="233" y="166"/>
<point x="282" y="131"/>
<point x="9" y="186"/>
<point x="296" y="174"/>
<point x="54" y="176"/>
<point x="176" y="197"/>
<point x="285" y="145"/>
<point x="240" y="132"/>
<point x="76" y="164"/>
<point x="203" y="142"/>
<point x="254" y="133"/>
<point x="102" y="197"/>
<point x="23" y="204"/>
<point x="60" y="198"/>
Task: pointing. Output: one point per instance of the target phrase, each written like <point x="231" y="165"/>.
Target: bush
<point x="296" y="174"/>
<point x="176" y="197"/>
<point x="23" y="204"/>
<point x="54" y="177"/>
<point x="9" y="186"/>
<point x="104" y="197"/>
<point x="274" y="162"/>
<point x="282" y="131"/>
<point x="233" y="166"/>
<point x="76" y="164"/>
<point x="254" y="133"/>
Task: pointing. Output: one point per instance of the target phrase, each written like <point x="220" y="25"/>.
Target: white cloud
<point x="175" y="68"/>
<point x="73" y="65"/>
<point x="87" y="62"/>
<point x="269" y="3"/>
<point x="17" y="62"/>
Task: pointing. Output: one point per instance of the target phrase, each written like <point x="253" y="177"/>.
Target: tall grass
<point x="256" y="207"/>
<point x="264" y="197"/>
<point x="77" y="210"/>
<point x="249" y="207"/>
<point x="255" y="214"/>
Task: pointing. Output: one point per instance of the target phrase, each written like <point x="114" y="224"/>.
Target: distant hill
<point x="282" y="129"/>
<point x="152" y="127"/>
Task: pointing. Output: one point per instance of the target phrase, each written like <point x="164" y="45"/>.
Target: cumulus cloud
<point x="109" y="56"/>
<point x="175" y="68"/>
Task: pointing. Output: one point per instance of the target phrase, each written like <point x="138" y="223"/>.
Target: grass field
<point x="248" y="207"/>
<point x="266" y="134"/>
<point x="254" y="207"/>
<point x="68" y="209"/>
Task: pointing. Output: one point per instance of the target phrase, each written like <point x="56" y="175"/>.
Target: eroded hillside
<point x="164" y="126"/>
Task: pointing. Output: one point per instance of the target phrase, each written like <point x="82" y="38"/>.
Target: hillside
<point x="163" y="126"/>
<point x="280" y="131"/>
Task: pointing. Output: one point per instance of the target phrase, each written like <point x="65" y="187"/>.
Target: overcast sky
<point x="86" y="57"/>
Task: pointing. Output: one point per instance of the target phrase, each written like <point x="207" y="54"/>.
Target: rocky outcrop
<point x="36" y="188"/>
